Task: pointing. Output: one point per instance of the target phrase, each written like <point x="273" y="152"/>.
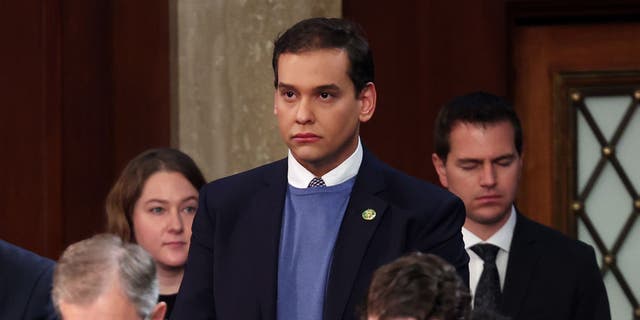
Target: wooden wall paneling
<point x="552" y="12"/>
<point x="426" y="53"/>
<point x="29" y="89"/>
<point x="116" y="98"/>
<point x="84" y="87"/>
<point x="391" y="31"/>
<point x="87" y="115"/>
<point x="52" y="122"/>
<point x="141" y="96"/>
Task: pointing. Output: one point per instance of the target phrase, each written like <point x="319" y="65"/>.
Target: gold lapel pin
<point x="368" y="214"/>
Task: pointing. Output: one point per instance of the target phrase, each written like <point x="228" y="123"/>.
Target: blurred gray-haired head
<point x="87" y="268"/>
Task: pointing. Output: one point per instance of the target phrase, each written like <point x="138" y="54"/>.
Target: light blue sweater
<point x="311" y="222"/>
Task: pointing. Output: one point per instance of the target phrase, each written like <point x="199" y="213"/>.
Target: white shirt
<point x="501" y="239"/>
<point x="299" y="177"/>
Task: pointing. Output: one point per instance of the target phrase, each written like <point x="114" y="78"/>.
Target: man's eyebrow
<point x="468" y="160"/>
<point x="508" y="156"/>
<point x="327" y="87"/>
<point x="282" y="85"/>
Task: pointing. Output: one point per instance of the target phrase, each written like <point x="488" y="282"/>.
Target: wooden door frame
<point x="549" y="13"/>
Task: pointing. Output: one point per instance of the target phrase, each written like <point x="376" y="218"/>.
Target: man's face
<point x="317" y="108"/>
<point x="483" y="169"/>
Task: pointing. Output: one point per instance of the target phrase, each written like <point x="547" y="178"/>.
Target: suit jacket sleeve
<point x="195" y="299"/>
<point x="592" y="300"/>
<point x="443" y="235"/>
<point x="40" y="305"/>
<point x="25" y="280"/>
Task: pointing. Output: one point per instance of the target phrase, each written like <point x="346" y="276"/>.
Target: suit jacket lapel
<point x="353" y="237"/>
<point x="265" y="218"/>
<point x="523" y="257"/>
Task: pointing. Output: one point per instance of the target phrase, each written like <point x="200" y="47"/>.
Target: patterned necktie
<point x="488" y="294"/>
<point x="316" y="182"/>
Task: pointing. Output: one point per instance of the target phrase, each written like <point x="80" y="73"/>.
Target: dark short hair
<point x="128" y="188"/>
<point x="418" y="285"/>
<point x="329" y="33"/>
<point x="479" y="108"/>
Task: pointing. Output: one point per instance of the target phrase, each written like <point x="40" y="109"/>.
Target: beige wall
<point x="222" y="82"/>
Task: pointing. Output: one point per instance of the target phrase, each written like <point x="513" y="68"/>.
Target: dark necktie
<point x="316" y="182"/>
<point x="488" y="293"/>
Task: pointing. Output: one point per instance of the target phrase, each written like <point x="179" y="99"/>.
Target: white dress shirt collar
<point x="299" y="177"/>
<point x="502" y="238"/>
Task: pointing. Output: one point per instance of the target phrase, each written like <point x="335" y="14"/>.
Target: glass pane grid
<point x="607" y="203"/>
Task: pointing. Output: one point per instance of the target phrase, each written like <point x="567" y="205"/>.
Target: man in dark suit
<point x="300" y="238"/>
<point x="25" y="284"/>
<point x="517" y="267"/>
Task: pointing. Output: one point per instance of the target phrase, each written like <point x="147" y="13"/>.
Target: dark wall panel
<point x="141" y="96"/>
<point x="427" y="52"/>
<point x="83" y="88"/>
<point x="29" y="123"/>
<point x="87" y="100"/>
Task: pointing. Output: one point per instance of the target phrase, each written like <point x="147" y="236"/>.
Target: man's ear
<point x="159" y="311"/>
<point x="367" y="98"/>
<point x="439" y="165"/>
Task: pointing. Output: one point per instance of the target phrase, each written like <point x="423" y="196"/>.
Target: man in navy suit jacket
<point x="542" y="274"/>
<point x="267" y="244"/>
<point x="25" y="284"/>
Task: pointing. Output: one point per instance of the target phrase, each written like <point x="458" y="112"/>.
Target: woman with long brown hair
<point x="153" y="204"/>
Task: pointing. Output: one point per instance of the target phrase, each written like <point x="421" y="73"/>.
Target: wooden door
<point x="556" y="69"/>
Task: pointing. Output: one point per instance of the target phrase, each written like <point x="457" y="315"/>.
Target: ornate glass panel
<point x="606" y="152"/>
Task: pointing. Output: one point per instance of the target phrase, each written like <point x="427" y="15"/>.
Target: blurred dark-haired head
<point x="417" y="286"/>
